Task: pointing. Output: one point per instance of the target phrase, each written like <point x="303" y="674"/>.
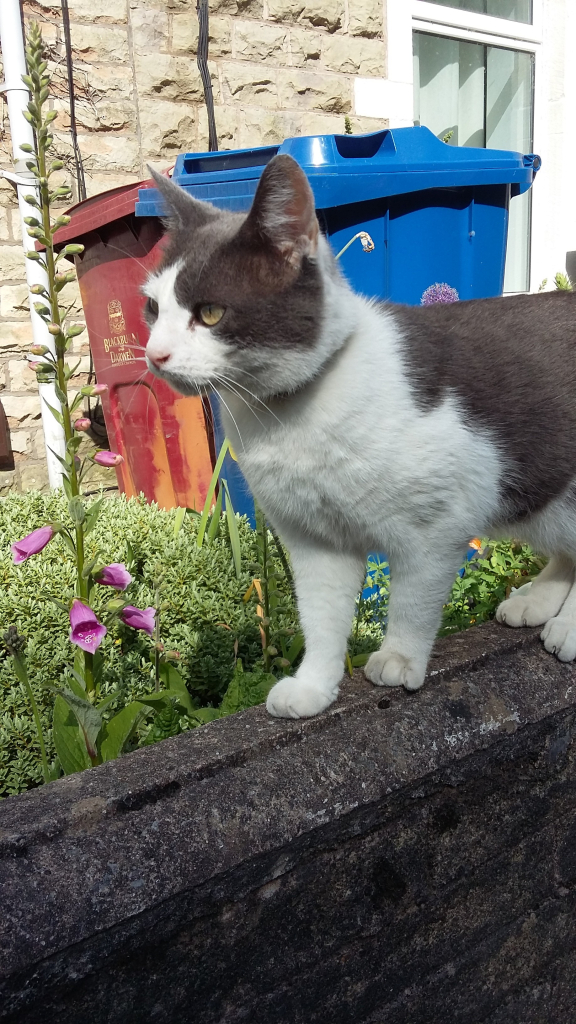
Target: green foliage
<point x="487" y="580"/>
<point x="204" y="620"/>
<point x="562" y="282"/>
<point x="347" y="125"/>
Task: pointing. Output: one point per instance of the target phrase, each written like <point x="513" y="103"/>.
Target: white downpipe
<point x="12" y="43"/>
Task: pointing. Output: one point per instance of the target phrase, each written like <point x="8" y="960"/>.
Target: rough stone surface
<point x="403" y="858"/>
<point x="303" y="89"/>
<point x="365" y="17"/>
<point x="264" y="42"/>
<point x="354" y="56"/>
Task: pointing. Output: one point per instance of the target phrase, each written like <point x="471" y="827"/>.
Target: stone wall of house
<point x="278" y="67"/>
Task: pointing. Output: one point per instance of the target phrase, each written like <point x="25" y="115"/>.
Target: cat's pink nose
<point x="158" y="360"/>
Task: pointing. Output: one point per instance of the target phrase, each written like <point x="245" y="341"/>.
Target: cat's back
<point x="511" y="364"/>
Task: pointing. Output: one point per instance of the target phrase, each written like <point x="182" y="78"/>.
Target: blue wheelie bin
<point x="435" y="213"/>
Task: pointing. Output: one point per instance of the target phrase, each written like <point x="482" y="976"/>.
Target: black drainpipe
<point x="202" y="61"/>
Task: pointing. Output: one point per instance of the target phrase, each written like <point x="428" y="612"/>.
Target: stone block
<point x="365" y="18"/>
<point x="170" y="78"/>
<point x="101" y="181"/>
<point x="250" y="84"/>
<point x="15" y="223"/>
<point x="15" y="337"/>
<point x="12" y="263"/>
<point x="14" y="301"/>
<point x="99" y="42"/>
<point x="309" y="91"/>
<point x="261" y="43"/>
<point x="106" y="152"/>
<point x="5" y="233"/>
<point x="354" y="56"/>
<point x="150" y="30"/>
<point x="244" y="8"/>
<point x="313" y="123"/>
<point x="21" y="410"/>
<point x="33" y="476"/>
<point x="228" y="121"/>
<point x="266" y="127"/>
<point x="110" y="81"/>
<point x="20" y="376"/>
<point x="7" y="480"/>
<point x="305" y="46"/>
<point x="105" y="114"/>
<point x="328" y="14"/>
<point x="185" y="34"/>
<point x="167" y="128"/>
<point x="20" y="442"/>
<point x="93" y="10"/>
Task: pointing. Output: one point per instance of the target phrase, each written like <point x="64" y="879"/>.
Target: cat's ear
<point x="283" y="212"/>
<point x="184" y="210"/>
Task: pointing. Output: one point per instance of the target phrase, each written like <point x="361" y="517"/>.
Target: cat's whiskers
<point x="226" y="384"/>
<point x="237" y="383"/>
<point x="227" y="407"/>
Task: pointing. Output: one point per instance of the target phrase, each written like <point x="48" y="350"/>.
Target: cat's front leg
<point x="327" y="584"/>
<point x="420" y="581"/>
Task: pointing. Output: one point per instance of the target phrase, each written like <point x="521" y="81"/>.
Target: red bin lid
<point x="93" y="213"/>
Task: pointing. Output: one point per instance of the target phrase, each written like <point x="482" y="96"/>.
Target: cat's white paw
<point x="559" y="636"/>
<point x="297" y="698"/>
<point x="533" y="605"/>
<point x="387" y="667"/>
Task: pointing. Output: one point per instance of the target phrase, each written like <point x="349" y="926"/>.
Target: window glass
<point x="470" y="94"/>
<point x="512" y="10"/>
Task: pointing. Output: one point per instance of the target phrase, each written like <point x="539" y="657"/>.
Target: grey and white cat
<point x="363" y="426"/>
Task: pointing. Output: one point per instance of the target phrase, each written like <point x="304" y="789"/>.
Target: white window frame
<point x="437" y="19"/>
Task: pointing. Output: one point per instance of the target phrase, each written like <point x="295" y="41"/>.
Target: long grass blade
<point x="233" y="531"/>
<point x="210" y="492"/>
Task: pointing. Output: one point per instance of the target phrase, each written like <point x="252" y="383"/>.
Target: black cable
<point x="81" y="184"/>
<point x="202" y="61"/>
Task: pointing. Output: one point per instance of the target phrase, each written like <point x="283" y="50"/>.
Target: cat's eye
<point x="211" y="314"/>
<point x="152" y="308"/>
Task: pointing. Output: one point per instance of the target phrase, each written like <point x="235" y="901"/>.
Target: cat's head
<point x="240" y="297"/>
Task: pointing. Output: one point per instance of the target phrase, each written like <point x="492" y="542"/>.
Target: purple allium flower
<point x="32" y="544"/>
<point x="108" y="458"/>
<point x="115" y="575"/>
<point x="86" y="631"/>
<point x="139" y="618"/>
<point x="439" y="293"/>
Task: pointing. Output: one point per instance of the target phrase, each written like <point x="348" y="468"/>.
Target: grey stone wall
<point x="279" y="68"/>
<point x="403" y="858"/>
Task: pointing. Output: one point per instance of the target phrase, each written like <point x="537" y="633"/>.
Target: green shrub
<point x="202" y="616"/>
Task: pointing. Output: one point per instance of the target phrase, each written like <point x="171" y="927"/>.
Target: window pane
<point x="513" y="10"/>
<point x="470" y="94"/>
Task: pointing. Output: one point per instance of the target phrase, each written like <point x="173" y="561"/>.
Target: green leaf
<point x="179" y="519"/>
<point x="295" y="647"/>
<point x="118" y="730"/>
<point x="60" y="395"/>
<point x="57" y="416"/>
<point x="77" y="510"/>
<point x="92" y="516"/>
<point x="67" y="739"/>
<point x="88" y="717"/>
<point x="163" y="699"/>
<point x="214" y="527"/>
<point x="203" y="715"/>
<point x="233" y="531"/>
<point x="210" y="492"/>
<point x="173" y="681"/>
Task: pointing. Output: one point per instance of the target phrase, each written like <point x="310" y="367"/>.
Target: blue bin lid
<point x="346" y="169"/>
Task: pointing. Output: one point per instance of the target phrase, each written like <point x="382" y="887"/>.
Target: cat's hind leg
<point x="419" y="586"/>
<point x="535" y="604"/>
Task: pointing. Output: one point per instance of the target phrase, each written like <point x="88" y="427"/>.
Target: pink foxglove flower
<point x="86" y="631"/>
<point x="32" y="544"/>
<point x="115" y="575"/>
<point x="139" y="618"/>
<point x="108" y="458"/>
<point x="83" y="423"/>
